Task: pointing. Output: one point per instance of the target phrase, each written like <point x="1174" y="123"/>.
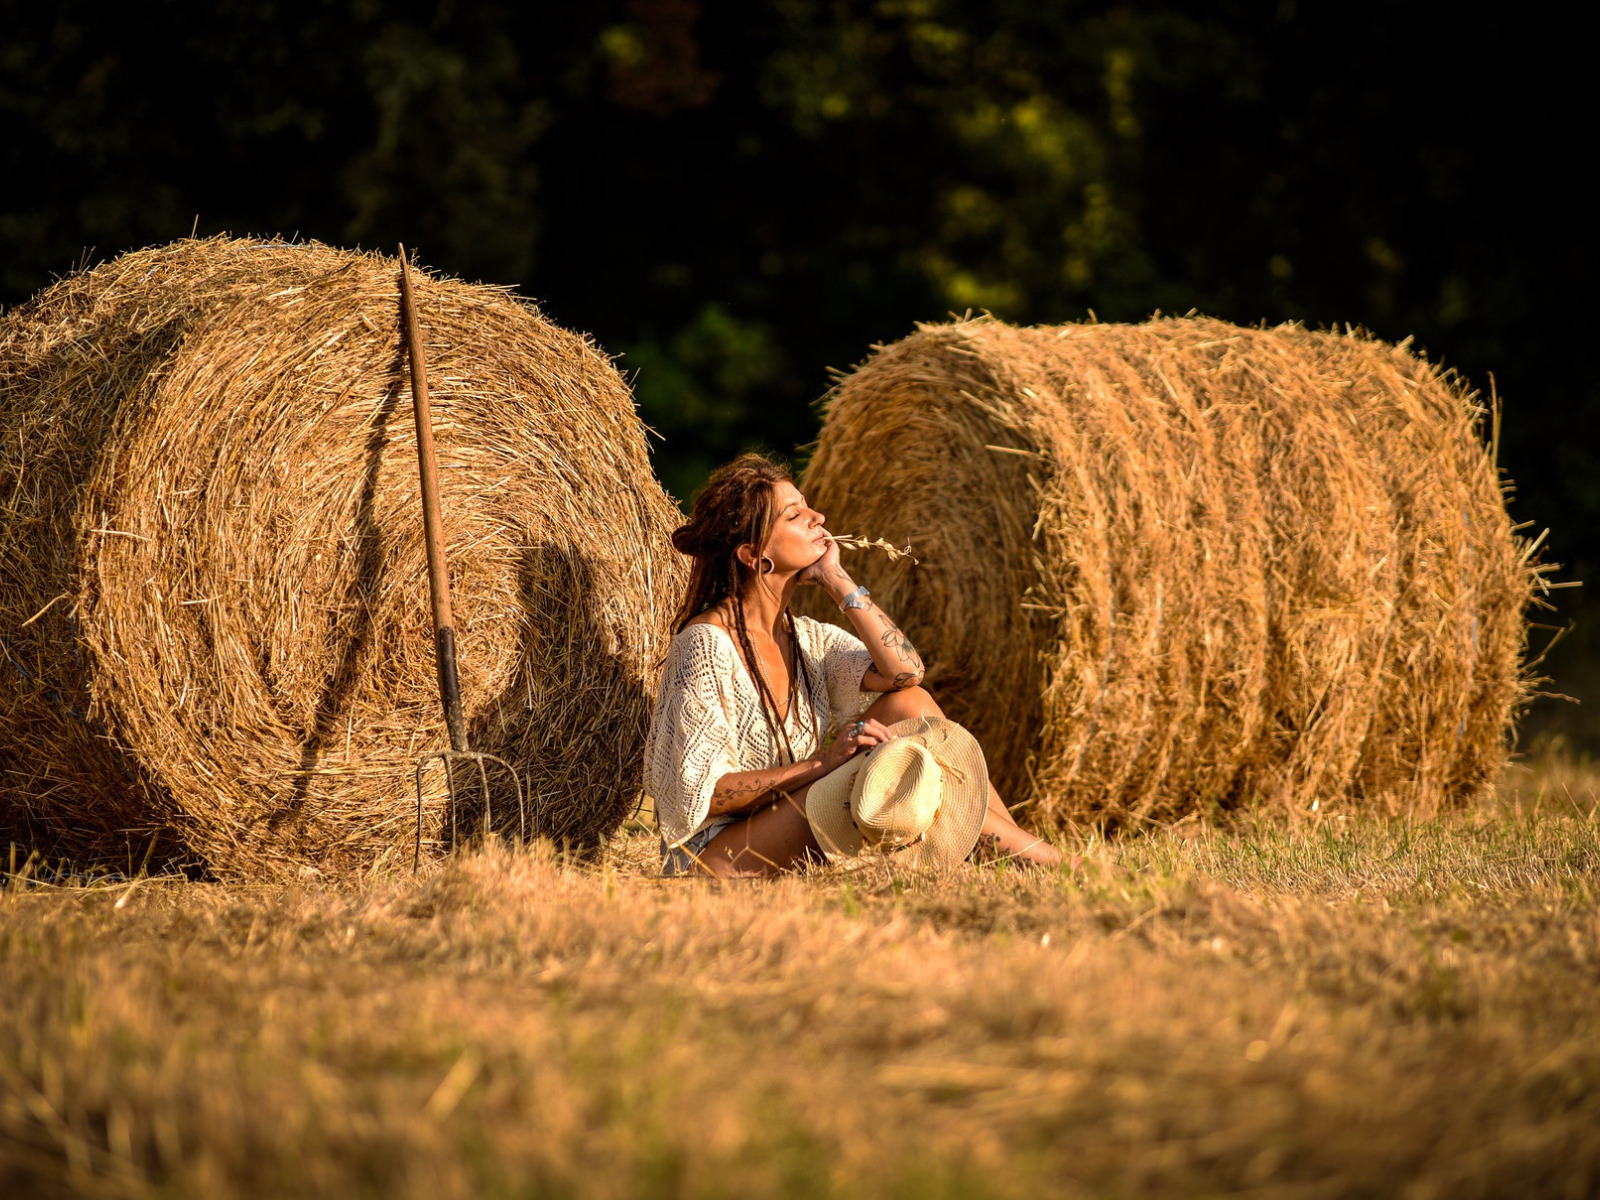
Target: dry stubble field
<point x="1345" y="1008"/>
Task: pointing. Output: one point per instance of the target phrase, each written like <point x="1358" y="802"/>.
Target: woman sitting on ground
<point x="748" y="690"/>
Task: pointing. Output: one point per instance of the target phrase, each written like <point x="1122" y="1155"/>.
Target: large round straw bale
<point x="213" y="592"/>
<point x="1184" y="565"/>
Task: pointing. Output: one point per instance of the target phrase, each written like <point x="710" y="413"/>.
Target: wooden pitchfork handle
<point x="444" y="632"/>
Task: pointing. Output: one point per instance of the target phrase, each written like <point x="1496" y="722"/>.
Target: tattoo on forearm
<point x="895" y="640"/>
<point x="744" y="787"/>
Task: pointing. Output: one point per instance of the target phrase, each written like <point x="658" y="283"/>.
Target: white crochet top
<point x="708" y="723"/>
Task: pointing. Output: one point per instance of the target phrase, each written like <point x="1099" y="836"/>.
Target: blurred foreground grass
<point x="1344" y="1008"/>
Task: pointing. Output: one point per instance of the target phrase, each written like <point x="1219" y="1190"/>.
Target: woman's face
<point x="798" y="539"/>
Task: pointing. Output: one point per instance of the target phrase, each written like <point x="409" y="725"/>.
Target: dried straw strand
<point x="853" y="541"/>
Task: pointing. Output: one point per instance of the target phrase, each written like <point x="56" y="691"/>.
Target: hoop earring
<point x="767" y="565"/>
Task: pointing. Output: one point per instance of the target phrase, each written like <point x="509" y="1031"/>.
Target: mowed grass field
<point x="1344" y="1007"/>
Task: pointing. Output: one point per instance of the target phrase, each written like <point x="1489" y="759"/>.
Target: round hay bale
<point x="214" y="626"/>
<point x="1184" y="565"/>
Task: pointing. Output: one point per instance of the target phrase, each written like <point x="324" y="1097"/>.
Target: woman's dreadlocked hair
<point x="735" y="508"/>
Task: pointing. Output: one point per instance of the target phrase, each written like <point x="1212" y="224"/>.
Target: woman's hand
<point x="857" y="737"/>
<point x="825" y="568"/>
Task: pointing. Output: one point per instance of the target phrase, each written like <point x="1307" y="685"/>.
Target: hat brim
<point x="962" y="805"/>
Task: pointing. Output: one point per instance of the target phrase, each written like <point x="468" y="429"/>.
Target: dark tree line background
<point x="736" y="195"/>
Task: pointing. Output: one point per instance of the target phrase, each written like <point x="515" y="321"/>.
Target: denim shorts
<point x="680" y="860"/>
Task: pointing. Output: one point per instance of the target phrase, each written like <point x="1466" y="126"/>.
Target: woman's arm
<point x="895" y="661"/>
<point x="740" y="791"/>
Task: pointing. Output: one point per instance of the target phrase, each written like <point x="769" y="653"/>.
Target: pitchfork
<point x="444" y="633"/>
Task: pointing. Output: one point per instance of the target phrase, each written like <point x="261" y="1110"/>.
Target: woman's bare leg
<point x="1008" y="839"/>
<point x="776" y="839"/>
<point x="1002" y="833"/>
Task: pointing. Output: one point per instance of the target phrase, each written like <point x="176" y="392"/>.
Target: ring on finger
<point x="857" y="728"/>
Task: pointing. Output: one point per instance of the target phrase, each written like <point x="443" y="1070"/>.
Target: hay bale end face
<point x="213" y="595"/>
<point x="1183" y="565"/>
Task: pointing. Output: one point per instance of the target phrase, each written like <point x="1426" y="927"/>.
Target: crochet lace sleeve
<point x="692" y="742"/>
<point x="845" y="662"/>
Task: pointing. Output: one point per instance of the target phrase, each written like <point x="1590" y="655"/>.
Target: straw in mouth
<point x="853" y="541"/>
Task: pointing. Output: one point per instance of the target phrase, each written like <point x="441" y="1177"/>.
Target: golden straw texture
<point x="1184" y="565"/>
<point x="214" y="625"/>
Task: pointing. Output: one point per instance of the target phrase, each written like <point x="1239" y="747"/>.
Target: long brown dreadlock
<point x="735" y="508"/>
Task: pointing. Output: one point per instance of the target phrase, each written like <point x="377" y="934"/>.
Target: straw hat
<point x="926" y="789"/>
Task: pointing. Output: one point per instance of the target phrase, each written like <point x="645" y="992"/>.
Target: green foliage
<point x="699" y="387"/>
